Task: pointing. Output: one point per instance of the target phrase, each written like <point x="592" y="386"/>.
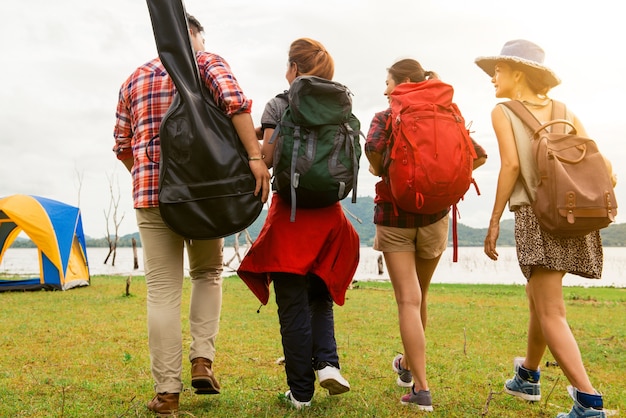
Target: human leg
<point x="163" y="265"/>
<point x="525" y="382"/>
<point x="322" y="322"/>
<point x="205" y="269"/>
<point x="403" y="277"/>
<point x="291" y="291"/>
<point x="401" y="267"/>
<point x="399" y="250"/>
<point x="536" y="343"/>
<point x="546" y="292"/>
<point x="431" y="242"/>
<point x="325" y="357"/>
<point x="425" y="269"/>
<point x="548" y="327"/>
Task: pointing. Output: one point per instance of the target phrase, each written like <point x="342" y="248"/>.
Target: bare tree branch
<point x="111" y="216"/>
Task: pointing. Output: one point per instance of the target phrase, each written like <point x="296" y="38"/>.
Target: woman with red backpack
<point x="412" y="243"/>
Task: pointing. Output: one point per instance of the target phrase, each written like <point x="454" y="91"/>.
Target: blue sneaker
<point x="580" y="411"/>
<point x="405" y="378"/>
<point x="529" y="391"/>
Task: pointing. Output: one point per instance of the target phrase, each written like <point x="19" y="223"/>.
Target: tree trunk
<point x="135" y="261"/>
<point x="114" y="255"/>
<point x="106" y="260"/>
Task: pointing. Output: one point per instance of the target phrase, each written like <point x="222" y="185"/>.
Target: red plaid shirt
<point x="384" y="214"/>
<point x="143" y="100"/>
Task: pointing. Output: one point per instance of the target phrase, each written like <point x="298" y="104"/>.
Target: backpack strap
<point x="523" y="113"/>
<point x="275" y="134"/>
<point x="295" y="177"/>
<point x="559" y="111"/>
<point x="353" y="137"/>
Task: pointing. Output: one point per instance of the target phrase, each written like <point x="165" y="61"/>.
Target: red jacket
<point x="321" y="241"/>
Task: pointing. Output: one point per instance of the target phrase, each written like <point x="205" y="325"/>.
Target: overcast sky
<point x="62" y="64"/>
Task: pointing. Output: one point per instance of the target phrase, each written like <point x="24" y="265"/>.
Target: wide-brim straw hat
<point x="524" y="53"/>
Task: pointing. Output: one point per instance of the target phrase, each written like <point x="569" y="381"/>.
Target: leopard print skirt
<point x="579" y="255"/>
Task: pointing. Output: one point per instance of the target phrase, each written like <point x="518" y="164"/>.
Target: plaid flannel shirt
<point x="144" y="98"/>
<point x="384" y="214"/>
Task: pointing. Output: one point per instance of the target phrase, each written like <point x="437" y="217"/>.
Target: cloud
<point x="63" y="63"/>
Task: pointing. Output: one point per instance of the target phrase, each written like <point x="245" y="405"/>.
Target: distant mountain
<point x="361" y="215"/>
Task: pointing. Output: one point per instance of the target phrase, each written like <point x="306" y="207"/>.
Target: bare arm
<point x="509" y="172"/>
<point x="376" y="162"/>
<point x="478" y="162"/>
<point x="128" y="163"/>
<point x="268" y="149"/>
<point x="245" y="130"/>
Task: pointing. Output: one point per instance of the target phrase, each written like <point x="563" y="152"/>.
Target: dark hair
<point x="411" y="69"/>
<point x="311" y="58"/>
<point x="194" y="24"/>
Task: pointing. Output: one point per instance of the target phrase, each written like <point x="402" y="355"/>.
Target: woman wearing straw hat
<point x="518" y="73"/>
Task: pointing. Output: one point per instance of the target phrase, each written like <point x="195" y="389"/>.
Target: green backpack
<point x="316" y="158"/>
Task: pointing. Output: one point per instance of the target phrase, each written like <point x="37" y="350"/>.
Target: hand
<point x="262" y="177"/>
<point x="259" y="133"/>
<point x="490" y="241"/>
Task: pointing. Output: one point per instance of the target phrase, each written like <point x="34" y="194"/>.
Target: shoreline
<point x="473" y="267"/>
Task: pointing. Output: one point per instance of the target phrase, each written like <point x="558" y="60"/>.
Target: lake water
<point x="473" y="266"/>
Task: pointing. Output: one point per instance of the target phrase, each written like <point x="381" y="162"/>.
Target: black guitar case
<point x="206" y="188"/>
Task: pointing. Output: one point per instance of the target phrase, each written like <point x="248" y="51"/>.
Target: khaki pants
<point x="163" y="252"/>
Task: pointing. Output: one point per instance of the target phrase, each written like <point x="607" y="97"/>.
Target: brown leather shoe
<point x="202" y="377"/>
<point x="164" y="404"/>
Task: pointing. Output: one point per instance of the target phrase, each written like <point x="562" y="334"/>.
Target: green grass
<point x="84" y="353"/>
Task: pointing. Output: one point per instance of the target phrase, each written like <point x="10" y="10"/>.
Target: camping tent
<point x="57" y="230"/>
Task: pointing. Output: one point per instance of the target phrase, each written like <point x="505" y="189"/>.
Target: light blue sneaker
<point x="529" y="391"/>
<point x="580" y="411"/>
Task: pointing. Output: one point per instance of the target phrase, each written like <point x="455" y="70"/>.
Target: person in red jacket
<point x="310" y="261"/>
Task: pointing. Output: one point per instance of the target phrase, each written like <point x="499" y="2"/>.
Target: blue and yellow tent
<point x="57" y="230"/>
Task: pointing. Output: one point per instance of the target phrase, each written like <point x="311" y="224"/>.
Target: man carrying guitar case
<point x="184" y="130"/>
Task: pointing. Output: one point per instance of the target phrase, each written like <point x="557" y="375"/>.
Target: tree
<point x="111" y="216"/>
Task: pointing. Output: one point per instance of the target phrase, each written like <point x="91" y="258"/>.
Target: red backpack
<point x="432" y="155"/>
<point x="431" y="160"/>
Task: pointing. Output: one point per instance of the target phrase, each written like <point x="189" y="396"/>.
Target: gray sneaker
<point x="405" y="378"/>
<point x="421" y="399"/>
<point x="523" y="389"/>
